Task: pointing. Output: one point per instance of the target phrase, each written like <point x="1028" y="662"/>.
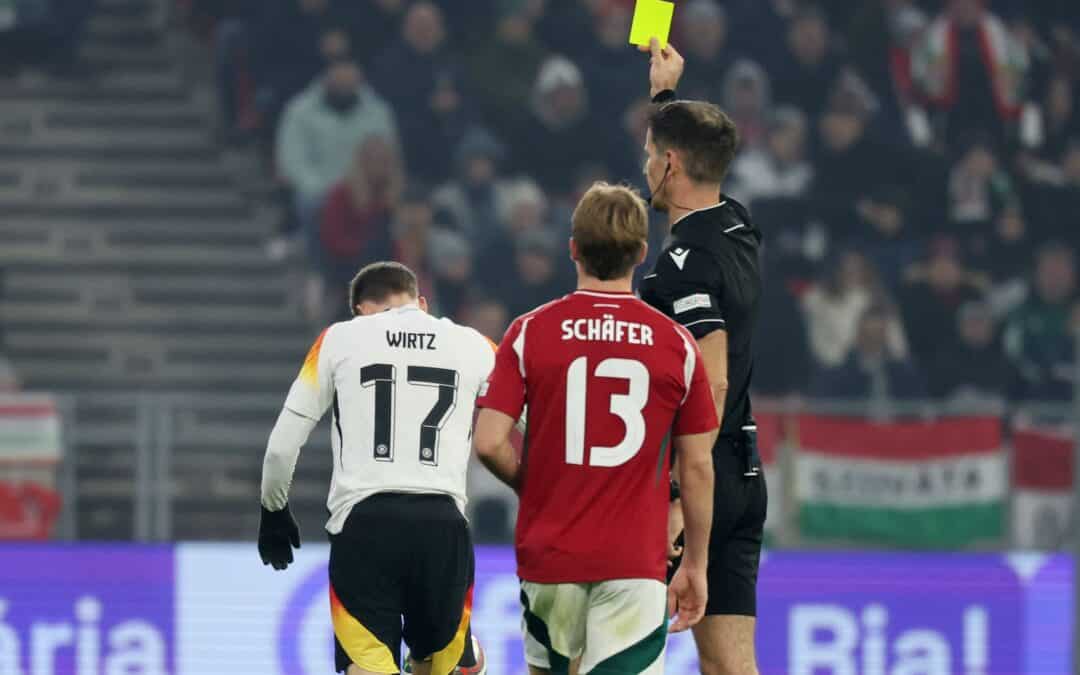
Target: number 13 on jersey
<point x="628" y="407"/>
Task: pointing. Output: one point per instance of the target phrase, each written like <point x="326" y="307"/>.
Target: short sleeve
<point x="687" y="287"/>
<point x="697" y="414"/>
<point x="485" y="350"/>
<point x="505" y="387"/>
<point x="313" y="390"/>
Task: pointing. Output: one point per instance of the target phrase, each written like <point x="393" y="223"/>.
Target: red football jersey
<point x="606" y="379"/>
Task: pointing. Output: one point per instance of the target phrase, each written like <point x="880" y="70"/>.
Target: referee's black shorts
<point x="740" y="503"/>
<point x="402" y="567"/>
<point x="739" y="506"/>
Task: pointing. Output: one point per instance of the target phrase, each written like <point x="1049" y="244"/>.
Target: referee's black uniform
<point x="707" y="279"/>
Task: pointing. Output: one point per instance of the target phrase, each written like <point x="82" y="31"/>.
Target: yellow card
<point x="652" y="19"/>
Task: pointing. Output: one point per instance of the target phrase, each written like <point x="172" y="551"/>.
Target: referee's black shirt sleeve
<point x="685" y="285"/>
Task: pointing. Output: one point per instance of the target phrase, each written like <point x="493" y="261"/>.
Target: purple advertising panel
<point x="86" y="610"/>
<point x="198" y="609"/>
<point x="877" y="614"/>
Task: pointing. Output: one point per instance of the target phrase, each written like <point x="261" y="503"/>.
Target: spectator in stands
<point x="450" y="255"/>
<point x="970" y="368"/>
<point x="487" y="315"/>
<point x="833" y="310"/>
<point x="292" y="42"/>
<point x="779" y="169"/>
<point x="881" y="35"/>
<point x="320" y="131"/>
<point x="419" y="74"/>
<point x="612" y="86"/>
<point x="535" y="278"/>
<point x="971" y="71"/>
<point x="503" y="68"/>
<point x="885" y="236"/>
<point x="873" y="372"/>
<point x="522" y="207"/>
<point x="806" y="77"/>
<point x="355" y="223"/>
<point x="1039" y="335"/>
<point x="933" y="293"/>
<point x="1060" y="121"/>
<point x="979" y="189"/>
<point x="703" y="38"/>
<point x="472" y="197"/>
<point x="848" y="168"/>
<point x="561" y="134"/>
<point x="747" y="100"/>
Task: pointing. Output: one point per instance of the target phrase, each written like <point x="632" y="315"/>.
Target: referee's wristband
<point x="664" y="96"/>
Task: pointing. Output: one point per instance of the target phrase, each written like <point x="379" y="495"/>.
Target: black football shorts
<point x="739" y="506"/>
<point x="401" y="568"/>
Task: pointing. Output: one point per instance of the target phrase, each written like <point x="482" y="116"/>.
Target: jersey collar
<point x="687" y="215"/>
<point x="605" y="294"/>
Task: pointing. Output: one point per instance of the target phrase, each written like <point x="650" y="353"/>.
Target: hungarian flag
<point x="1043" y="481"/>
<point x="939" y="484"/>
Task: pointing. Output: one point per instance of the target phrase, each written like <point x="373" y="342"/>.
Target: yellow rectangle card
<point x="652" y="19"/>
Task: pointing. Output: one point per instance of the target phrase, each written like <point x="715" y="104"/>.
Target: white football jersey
<point x="402" y="386"/>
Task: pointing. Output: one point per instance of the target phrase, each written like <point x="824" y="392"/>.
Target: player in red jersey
<point x="610" y="384"/>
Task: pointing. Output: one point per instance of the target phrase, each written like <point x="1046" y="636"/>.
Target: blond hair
<point x="610" y="228"/>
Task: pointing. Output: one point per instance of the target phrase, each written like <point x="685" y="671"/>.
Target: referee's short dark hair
<point x="701" y="132"/>
<point x="380" y="280"/>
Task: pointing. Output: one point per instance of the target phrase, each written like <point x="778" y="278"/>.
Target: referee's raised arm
<point x="666" y="66"/>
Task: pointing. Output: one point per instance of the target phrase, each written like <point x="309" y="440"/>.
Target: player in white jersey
<point x="402" y="386"/>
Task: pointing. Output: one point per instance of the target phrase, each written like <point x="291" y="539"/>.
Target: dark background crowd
<point x="914" y="165"/>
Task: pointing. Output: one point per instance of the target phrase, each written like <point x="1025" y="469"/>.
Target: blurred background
<point x="186" y="186"/>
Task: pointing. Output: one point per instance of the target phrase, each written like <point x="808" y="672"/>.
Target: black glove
<point x="278" y="534"/>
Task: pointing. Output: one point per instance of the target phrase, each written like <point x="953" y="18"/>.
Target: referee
<point x="707" y="279"/>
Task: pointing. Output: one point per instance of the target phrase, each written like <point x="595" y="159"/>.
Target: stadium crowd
<point x="915" y="165"/>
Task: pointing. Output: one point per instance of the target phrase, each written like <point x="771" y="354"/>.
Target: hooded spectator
<point x="971" y="71"/>
<point x="319" y="133"/>
<point x="779" y="168"/>
<point x="1039" y="335"/>
<point x="418" y="74"/>
<point x="561" y="133"/>
<point x="872" y="373"/>
<point x="833" y="309"/>
<point x="703" y="38"/>
<point x="747" y="100"/>
<point x="471" y="198"/>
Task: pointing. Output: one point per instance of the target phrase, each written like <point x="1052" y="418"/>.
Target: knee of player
<point x="721" y="665"/>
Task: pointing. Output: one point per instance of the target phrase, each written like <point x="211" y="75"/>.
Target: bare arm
<point x="696" y="484"/>
<point x="492" y="442"/>
<point x="714" y="353"/>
